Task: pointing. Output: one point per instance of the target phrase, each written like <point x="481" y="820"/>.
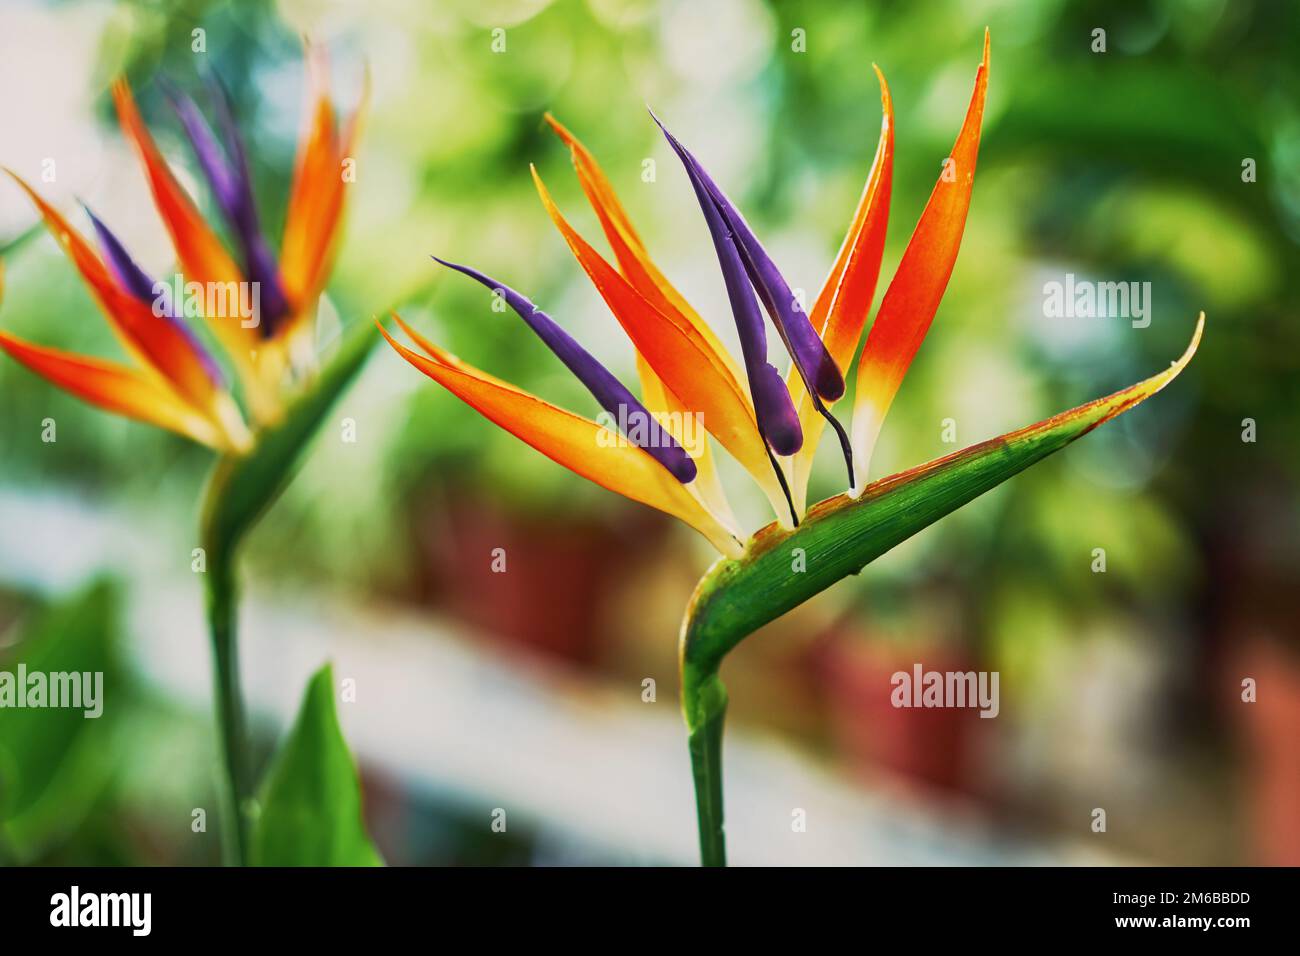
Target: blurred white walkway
<point x="581" y="761"/>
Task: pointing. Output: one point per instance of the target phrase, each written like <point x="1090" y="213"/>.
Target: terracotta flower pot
<point x="1271" y="736"/>
<point x="928" y="746"/>
<point x="543" y="590"/>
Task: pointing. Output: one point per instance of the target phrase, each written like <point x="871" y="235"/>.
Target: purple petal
<point x="607" y="390"/>
<point x="124" y="269"/>
<point x="233" y="196"/>
<point x="820" y="375"/>
<point x="261" y="269"/>
<point x="136" y="283"/>
<point x="233" y="188"/>
<point x="807" y="351"/>
<point x="234" y="145"/>
<point x="777" y="421"/>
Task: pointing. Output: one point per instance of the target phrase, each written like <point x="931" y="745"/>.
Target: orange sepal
<point x="841" y="308"/>
<point x="203" y="258"/>
<point x="155" y="341"/>
<point x="679" y="356"/>
<point x="579" y="444"/>
<point x="913" y="296"/>
<point x="317" y="196"/>
<point x="633" y="259"/>
<point x="115" y="388"/>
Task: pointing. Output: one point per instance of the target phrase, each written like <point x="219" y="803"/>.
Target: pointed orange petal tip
<point x="560" y="129"/>
<point x="388" y="336"/>
<point x="429" y="348"/>
<point x="566" y="135"/>
<point x="400" y="348"/>
<point x="884" y="85"/>
<point x="679" y="355"/>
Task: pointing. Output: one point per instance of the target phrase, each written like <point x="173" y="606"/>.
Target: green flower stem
<point x="705" y="705"/>
<point x="228" y="700"/>
<point x="241" y="489"/>
<point x="222" y="587"/>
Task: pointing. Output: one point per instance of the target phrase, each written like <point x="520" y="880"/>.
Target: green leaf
<point x="244" y="486"/>
<point x="841" y="535"/>
<point x="311" y="801"/>
<point x="55" y="762"/>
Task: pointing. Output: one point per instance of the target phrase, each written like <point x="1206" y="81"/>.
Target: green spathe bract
<point x="244" y="486"/>
<point x="840" y="536"/>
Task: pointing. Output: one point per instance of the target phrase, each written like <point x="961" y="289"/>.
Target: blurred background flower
<point x="526" y="690"/>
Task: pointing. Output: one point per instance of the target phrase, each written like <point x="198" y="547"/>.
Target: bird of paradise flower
<point x="178" y="385"/>
<point x="772" y="427"/>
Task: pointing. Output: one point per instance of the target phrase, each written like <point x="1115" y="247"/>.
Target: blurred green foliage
<point x="55" y="763"/>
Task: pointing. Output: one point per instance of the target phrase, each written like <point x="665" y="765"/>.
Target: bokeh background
<point x="524" y="691"/>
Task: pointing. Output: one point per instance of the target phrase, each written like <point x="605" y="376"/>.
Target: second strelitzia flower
<point x="262" y="311"/>
<point x="176" y="383"/>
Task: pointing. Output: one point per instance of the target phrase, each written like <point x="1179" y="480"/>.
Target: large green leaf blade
<point x="56" y="762"/>
<point x="841" y="535"/>
<point x="311" y="801"/>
